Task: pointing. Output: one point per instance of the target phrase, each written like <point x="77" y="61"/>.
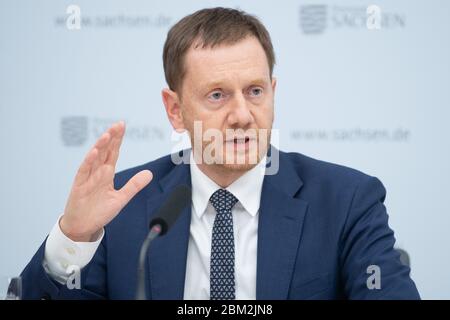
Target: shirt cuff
<point x="62" y="254"/>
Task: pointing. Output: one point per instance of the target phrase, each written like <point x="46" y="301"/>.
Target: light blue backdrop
<point x="377" y="100"/>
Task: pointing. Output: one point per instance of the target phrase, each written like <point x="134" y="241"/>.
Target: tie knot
<point x="223" y="200"/>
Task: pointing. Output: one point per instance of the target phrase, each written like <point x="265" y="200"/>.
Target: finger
<point x="103" y="143"/>
<point x="85" y="168"/>
<point x="116" y="130"/>
<point x="113" y="153"/>
<point x="135" y="184"/>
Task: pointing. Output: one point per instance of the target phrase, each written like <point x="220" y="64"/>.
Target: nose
<point x="240" y="115"/>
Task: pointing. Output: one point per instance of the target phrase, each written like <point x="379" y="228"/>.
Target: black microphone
<point x="167" y="214"/>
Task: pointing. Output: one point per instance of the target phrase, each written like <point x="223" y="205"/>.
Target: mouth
<point x="240" y="143"/>
<point x="241" y="140"/>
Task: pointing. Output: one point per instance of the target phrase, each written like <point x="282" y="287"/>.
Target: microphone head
<point x="169" y="212"/>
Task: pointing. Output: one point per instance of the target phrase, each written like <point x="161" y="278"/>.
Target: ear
<point x="173" y="109"/>
<point x="274" y="84"/>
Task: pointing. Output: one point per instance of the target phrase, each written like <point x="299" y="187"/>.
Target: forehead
<point x="243" y="61"/>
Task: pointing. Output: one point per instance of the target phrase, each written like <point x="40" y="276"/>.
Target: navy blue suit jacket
<point x="320" y="227"/>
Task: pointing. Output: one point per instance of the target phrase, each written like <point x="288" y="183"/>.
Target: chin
<point x="238" y="167"/>
<point x="238" y="164"/>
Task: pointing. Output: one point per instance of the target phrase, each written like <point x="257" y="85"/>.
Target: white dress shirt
<point x="61" y="252"/>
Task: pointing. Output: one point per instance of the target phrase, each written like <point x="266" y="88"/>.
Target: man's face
<point x="228" y="89"/>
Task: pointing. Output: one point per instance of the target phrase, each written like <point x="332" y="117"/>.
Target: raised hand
<point x="93" y="202"/>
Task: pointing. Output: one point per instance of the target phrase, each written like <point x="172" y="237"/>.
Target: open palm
<point x="93" y="202"/>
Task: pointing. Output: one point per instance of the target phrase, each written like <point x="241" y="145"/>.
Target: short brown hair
<point x="209" y="28"/>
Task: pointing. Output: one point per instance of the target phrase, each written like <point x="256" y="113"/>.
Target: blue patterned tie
<point x="222" y="286"/>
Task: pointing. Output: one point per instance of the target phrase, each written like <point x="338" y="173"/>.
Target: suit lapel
<point x="168" y="254"/>
<point x="280" y="227"/>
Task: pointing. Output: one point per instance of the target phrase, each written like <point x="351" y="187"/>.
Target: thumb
<point x="135" y="184"/>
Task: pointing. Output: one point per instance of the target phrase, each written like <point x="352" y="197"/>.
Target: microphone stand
<point x="140" y="289"/>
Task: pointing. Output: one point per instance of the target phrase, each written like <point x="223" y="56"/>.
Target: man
<point x="311" y="230"/>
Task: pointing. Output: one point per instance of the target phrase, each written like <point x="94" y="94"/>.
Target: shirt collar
<point x="247" y="189"/>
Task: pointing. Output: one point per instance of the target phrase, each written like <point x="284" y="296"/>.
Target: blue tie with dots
<point x="222" y="285"/>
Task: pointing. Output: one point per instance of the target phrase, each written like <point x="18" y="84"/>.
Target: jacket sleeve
<point x="370" y="266"/>
<point x="37" y="284"/>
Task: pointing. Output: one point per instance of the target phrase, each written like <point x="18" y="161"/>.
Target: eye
<point x="256" y="91"/>
<point x="215" y="95"/>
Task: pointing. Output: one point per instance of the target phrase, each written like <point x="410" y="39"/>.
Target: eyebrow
<point x="220" y="83"/>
